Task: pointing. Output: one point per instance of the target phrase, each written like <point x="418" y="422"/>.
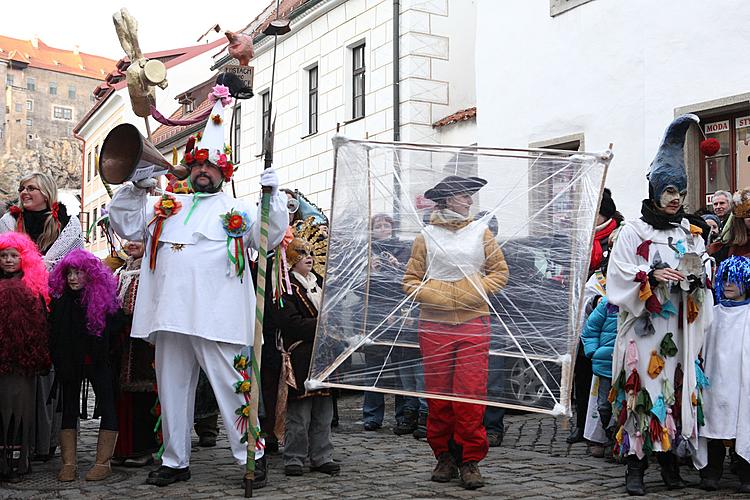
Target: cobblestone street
<point x="534" y="462"/>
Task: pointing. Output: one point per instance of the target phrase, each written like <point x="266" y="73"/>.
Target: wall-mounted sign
<point x="743" y="122"/>
<point x="716" y="127"/>
<point x="710" y="200"/>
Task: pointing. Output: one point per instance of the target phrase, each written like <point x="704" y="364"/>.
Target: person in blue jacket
<point x="598" y="338"/>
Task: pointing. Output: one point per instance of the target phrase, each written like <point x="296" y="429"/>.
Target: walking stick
<point x="276" y="28"/>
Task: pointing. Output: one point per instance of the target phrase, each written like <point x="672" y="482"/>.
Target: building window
<point x="71" y="92"/>
<point x="101" y="228"/>
<point x="9" y="80"/>
<point x="29" y="122"/>
<point x="88" y="167"/>
<point x="96" y="160"/>
<point x="52" y="88"/>
<point x="19" y="107"/>
<point x="266" y="124"/>
<point x="188" y="106"/>
<point x="312" y="100"/>
<point x="729" y="168"/>
<point x="237" y="136"/>
<point x="358" y="81"/>
<point x="30" y="83"/>
<point x="29" y="105"/>
<point x="61" y="113"/>
<point x="93" y="233"/>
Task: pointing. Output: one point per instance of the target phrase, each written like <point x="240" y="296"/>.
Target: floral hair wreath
<point x="192" y="156"/>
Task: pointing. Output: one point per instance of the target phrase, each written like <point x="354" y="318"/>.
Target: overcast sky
<point x="162" y="24"/>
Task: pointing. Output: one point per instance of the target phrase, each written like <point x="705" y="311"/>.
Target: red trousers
<point x="455" y="363"/>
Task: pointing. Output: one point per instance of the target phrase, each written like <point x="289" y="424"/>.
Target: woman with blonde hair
<point x="39" y="214"/>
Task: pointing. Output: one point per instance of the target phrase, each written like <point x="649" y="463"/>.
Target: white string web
<point x="542" y="204"/>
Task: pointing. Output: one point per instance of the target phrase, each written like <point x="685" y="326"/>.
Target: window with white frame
<point x="52" y="88"/>
<point x="29" y="105"/>
<point x="266" y="114"/>
<point x="358" y="81"/>
<point x="88" y="167"/>
<point x="236" y="133"/>
<point x="312" y="100"/>
<point x="31" y="83"/>
<point x="61" y="113"/>
<point x="71" y="92"/>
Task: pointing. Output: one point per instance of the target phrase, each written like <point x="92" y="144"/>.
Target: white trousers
<point x="179" y="358"/>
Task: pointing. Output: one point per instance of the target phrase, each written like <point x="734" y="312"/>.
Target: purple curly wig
<point x="99" y="291"/>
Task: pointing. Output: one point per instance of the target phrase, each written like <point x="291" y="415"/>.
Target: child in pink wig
<point x="24" y="352"/>
<point x="84" y="313"/>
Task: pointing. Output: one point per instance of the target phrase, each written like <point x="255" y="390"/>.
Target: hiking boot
<point x="260" y="478"/>
<point x="445" y="470"/>
<point x="597" y="450"/>
<point x="421" y="431"/>
<point x="670" y="470"/>
<point x="293" y="470"/>
<point x="331" y="468"/>
<point x="167" y="475"/>
<point x="408" y="423"/>
<point x="634" y="475"/>
<point x="471" y="478"/>
<point x="495" y="438"/>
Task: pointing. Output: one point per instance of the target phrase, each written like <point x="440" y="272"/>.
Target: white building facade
<point x="336" y="70"/>
<point x="581" y="74"/>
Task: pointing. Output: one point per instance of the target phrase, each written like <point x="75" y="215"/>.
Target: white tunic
<point x="194" y="290"/>
<point x="727" y="399"/>
<point x="623" y="291"/>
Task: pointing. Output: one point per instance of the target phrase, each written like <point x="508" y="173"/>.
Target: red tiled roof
<point x="45" y="57"/>
<point x="458" y="116"/>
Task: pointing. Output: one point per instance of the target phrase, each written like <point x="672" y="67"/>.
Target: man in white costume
<point x="658" y="273"/>
<point x="194" y="303"/>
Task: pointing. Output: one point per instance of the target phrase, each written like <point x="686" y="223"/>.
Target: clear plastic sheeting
<point x="511" y="346"/>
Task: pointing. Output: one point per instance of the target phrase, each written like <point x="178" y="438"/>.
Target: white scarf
<point x="310" y="283"/>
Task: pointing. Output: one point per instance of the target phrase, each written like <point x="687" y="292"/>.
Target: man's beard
<point x="208" y="188"/>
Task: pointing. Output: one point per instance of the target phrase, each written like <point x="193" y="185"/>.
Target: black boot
<point x="261" y="474"/>
<point x="421" y="430"/>
<point x="408" y="423"/>
<point x="670" y="470"/>
<point x="711" y="473"/>
<point x="575" y="436"/>
<point x="634" y="475"/>
<point x="743" y="470"/>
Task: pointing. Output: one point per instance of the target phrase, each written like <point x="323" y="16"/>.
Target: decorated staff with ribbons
<point x="195" y="300"/>
<point x="658" y="274"/>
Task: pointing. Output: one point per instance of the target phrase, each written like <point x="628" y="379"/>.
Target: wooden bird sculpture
<point x="142" y="75"/>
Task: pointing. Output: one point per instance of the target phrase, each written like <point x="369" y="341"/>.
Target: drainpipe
<point x="396" y="111"/>
<point x="83" y="177"/>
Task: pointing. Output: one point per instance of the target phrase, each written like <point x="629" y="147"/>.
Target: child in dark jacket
<point x="598" y="338"/>
<point x="309" y="414"/>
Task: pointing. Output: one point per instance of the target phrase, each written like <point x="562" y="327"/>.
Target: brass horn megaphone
<point x="128" y="156"/>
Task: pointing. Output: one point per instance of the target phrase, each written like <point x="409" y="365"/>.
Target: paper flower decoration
<point x="710" y="146"/>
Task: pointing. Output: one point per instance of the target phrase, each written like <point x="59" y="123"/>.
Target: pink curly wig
<point x="99" y="295"/>
<point x="35" y="275"/>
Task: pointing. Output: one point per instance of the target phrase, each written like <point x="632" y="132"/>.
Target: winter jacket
<point x="297" y="321"/>
<point x="599" y="337"/>
<point x="455" y="302"/>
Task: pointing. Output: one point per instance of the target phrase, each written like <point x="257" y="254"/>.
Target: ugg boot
<point x="68" y="442"/>
<point x="634" y="475"/>
<point x="105" y="447"/>
<point x="670" y="470"/>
